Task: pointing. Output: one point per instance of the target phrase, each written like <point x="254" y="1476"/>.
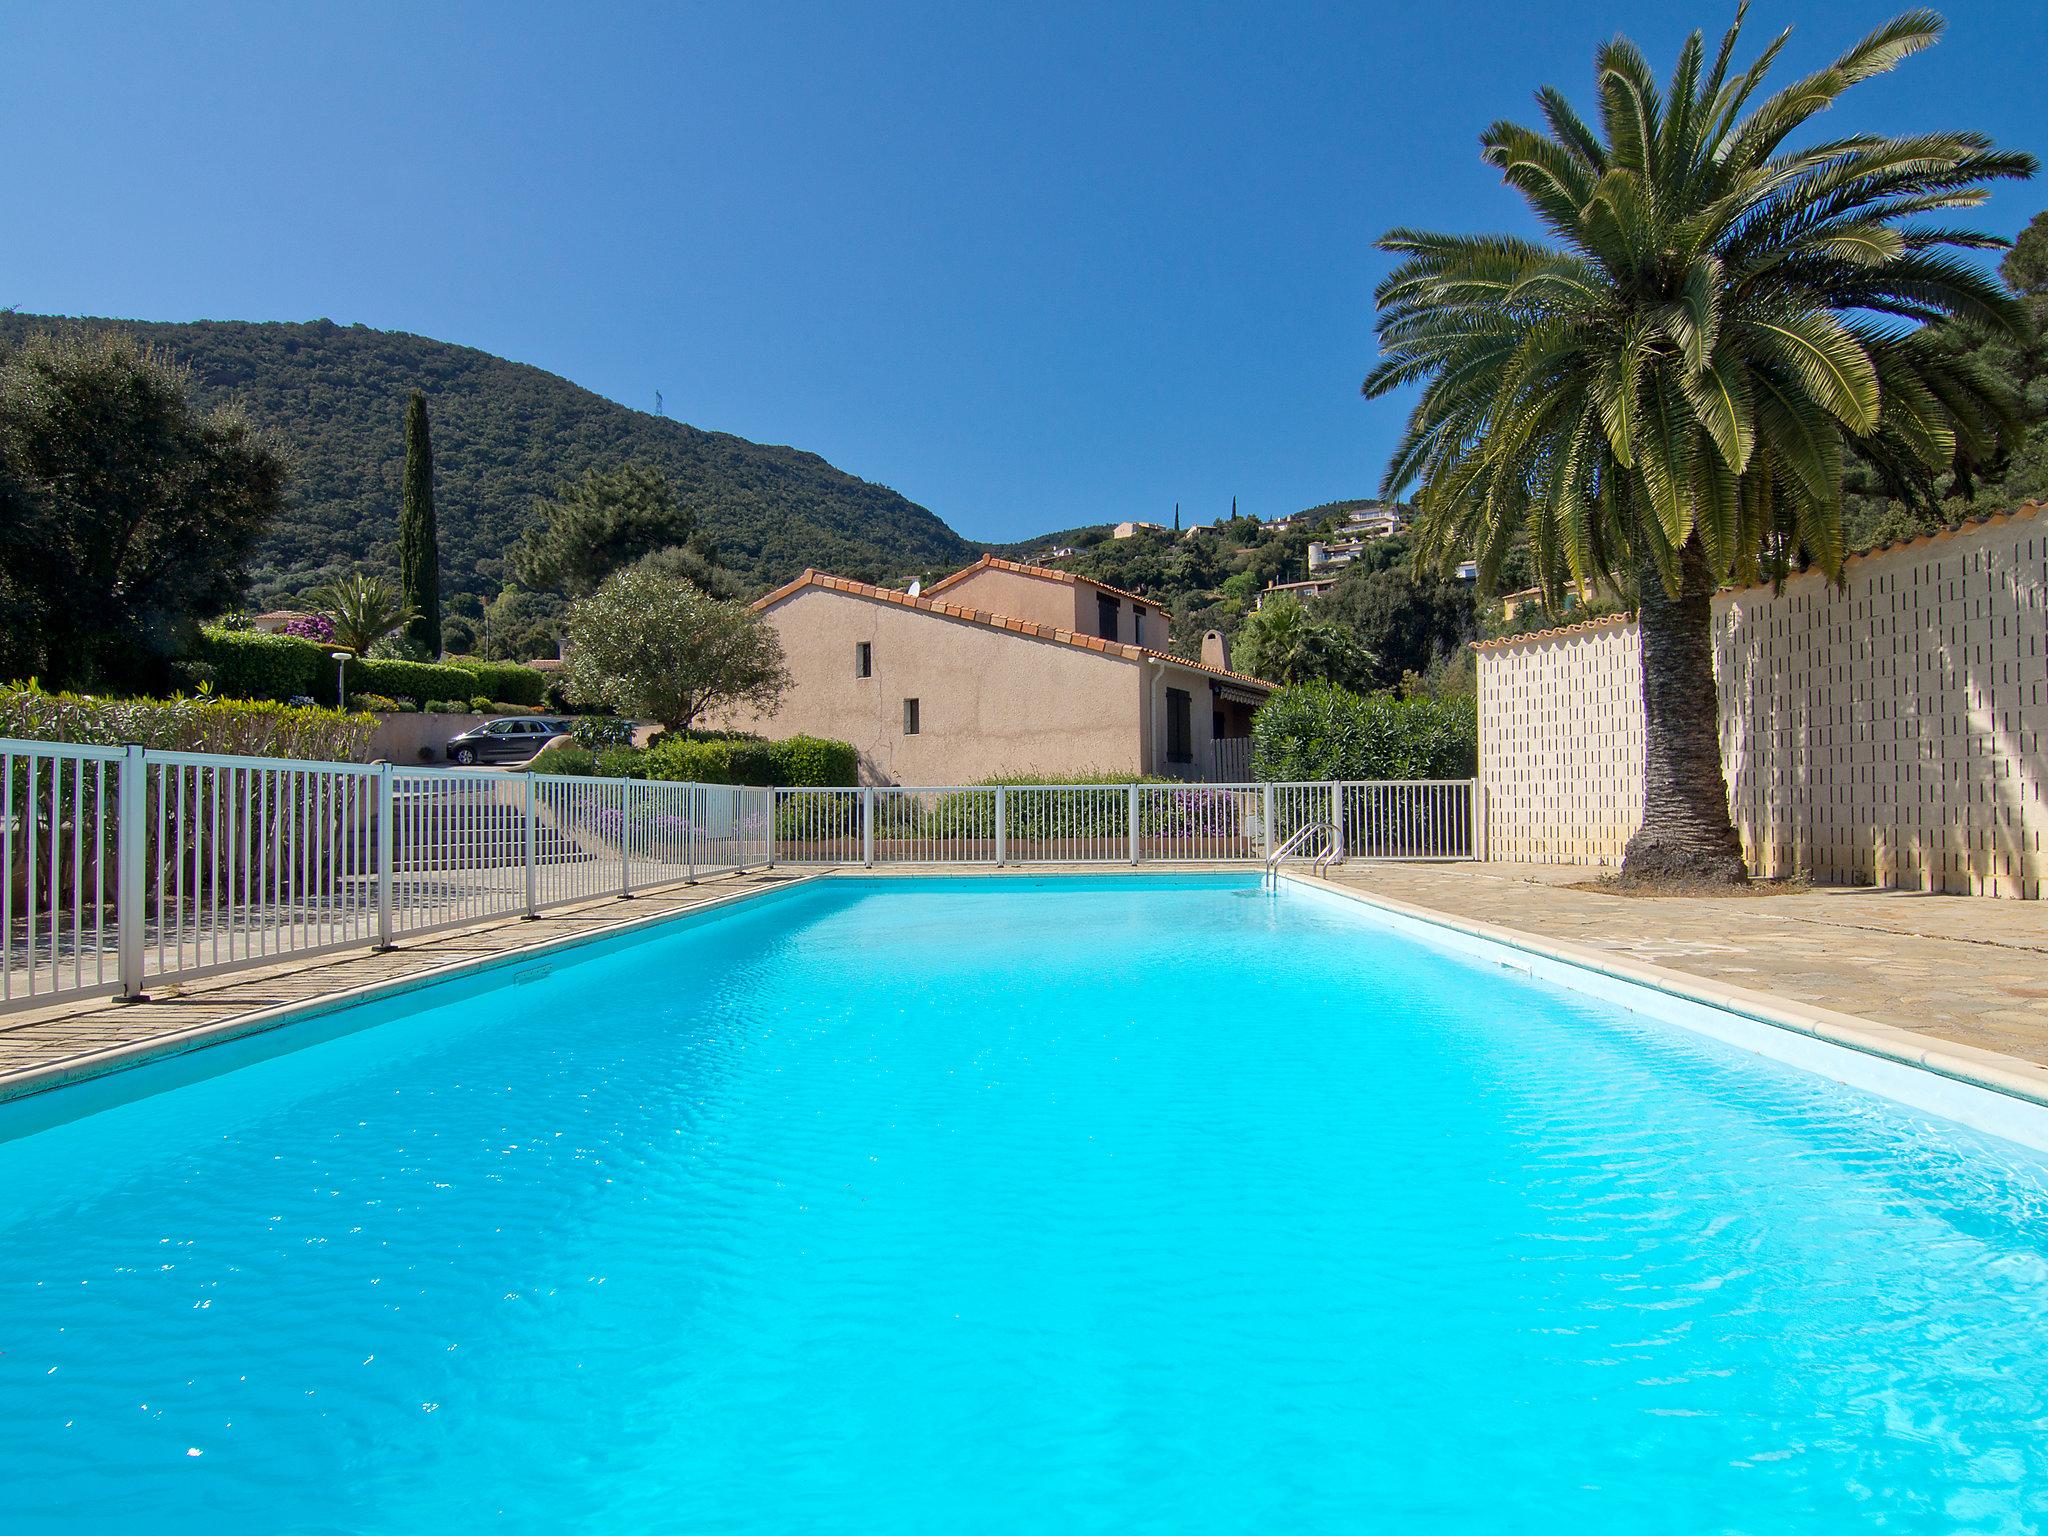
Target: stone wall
<point x="1893" y="731"/>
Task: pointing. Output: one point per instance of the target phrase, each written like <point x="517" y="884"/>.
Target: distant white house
<point x="1130" y="530"/>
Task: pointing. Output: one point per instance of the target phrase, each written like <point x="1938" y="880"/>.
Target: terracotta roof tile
<point x="811" y="578"/>
<point x="1043" y="573"/>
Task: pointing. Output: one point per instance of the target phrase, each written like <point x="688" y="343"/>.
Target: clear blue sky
<point x="1031" y="265"/>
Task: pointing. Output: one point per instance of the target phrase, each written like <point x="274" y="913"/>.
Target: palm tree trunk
<point x="1686" y="836"/>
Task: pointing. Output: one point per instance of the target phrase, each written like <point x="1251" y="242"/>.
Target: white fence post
<point x="739" y="841"/>
<point x="1476" y="798"/>
<point x="385" y="801"/>
<point x="532" y="846"/>
<point x="131" y="851"/>
<point x="625" y="842"/>
<point x="1134" y="823"/>
<point x="695" y="820"/>
<point x="867" y="826"/>
<point x="769" y="796"/>
<point x="1002" y="827"/>
<point x="1266" y="821"/>
<point x="1337" y="816"/>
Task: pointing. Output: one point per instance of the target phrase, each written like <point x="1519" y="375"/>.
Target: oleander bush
<point x="242" y="727"/>
<point x="1315" y="731"/>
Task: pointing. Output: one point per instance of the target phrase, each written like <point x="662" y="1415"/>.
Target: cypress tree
<point x="419" y="546"/>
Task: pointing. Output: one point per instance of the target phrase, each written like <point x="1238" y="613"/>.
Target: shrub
<point x="446" y="707"/>
<point x="248" y="664"/>
<point x="1315" y="731"/>
<point x="419" y="680"/>
<point x="376" y="701"/>
<point x="600" y="731"/>
<point x="480" y="704"/>
<point x="249" y="728"/>
<point x="813" y="762"/>
<point x="507" y="681"/>
<point x="563" y="757"/>
<point x="622" y="763"/>
<point x="711" y="762"/>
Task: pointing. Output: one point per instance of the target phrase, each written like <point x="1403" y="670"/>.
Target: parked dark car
<point x="504" y="741"/>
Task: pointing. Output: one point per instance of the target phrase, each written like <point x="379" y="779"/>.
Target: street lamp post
<point x="340" y="678"/>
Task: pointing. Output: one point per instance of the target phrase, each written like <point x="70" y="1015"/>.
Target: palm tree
<point x="1659" y="398"/>
<point x="1283" y="642"/>
<point x="364" y="610"/>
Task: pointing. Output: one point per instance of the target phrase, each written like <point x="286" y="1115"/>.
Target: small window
<point x="1216" y="724"/>
<point x="863" y="659"/>
<point x="910" y="721"/>
<point x="1180" y="726"/>
<point x="1137" y="625"/>
<point x="1105" y="615"/>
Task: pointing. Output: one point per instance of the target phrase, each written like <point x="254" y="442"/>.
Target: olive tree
<point x="652" y="644"/>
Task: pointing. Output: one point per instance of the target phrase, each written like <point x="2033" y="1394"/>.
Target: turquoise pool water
<point x="1013" y="1206"/>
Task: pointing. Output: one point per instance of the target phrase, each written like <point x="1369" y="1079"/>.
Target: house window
<point x="910" y="721"/>
<point x="1137" y="625"/>
<point x="863" y="659"/>
<point x="1180" y="726"/>
<point x="1105" y="615"/>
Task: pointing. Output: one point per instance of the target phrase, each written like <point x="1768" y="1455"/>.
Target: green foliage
<point x="599" y="523"/>
<point x="363" y="609"/>
<point x="248" y="664"/>
<point x="1404" y="619"/>
<point x="711" y="762"/>
<point x="507" y="433"/>
<point x="234" y="726"/>
<point x="597" y="732"/>
<point x="813" y="762"/>
<point x="1315" y="731"/>
<point x="647" y="643"/>
<point x="571" y="759"/>
<point x="1672" y="379"/>
<point x="505" y="680"/>
<point x="1286" y="641"/>
<point x="419" y="545"/>
<point x="426" y="682"/>
<point x="128" y="508"/>
<point x="2025" y="267"/>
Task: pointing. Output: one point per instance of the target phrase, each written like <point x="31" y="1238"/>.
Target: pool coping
<point x="1973" y="1067"/>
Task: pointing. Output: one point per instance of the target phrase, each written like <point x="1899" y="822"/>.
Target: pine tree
<point x="419" y="549"/>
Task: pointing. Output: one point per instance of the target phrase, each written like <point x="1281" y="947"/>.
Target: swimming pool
<point x="1144" y="1204"/>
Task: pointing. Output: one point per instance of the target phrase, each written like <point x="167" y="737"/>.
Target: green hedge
<point x="814" y="762"/>
<point x="248" y="664"/>
<point x="1315" y="731"/>
<point x="710" y="762"/>
<point x="420" y="681"/>
<point x="505" y="681"/>
<point x="242" y="727"/>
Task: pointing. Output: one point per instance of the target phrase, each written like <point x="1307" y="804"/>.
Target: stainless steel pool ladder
<point x="1333" y="850"/>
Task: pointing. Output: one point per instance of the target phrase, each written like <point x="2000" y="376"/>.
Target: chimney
<point x="1214" y="652"/>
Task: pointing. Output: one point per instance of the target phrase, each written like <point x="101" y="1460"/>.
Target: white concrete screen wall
<point x="1892" y="732"/>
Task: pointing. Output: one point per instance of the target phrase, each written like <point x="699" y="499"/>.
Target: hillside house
<point x="1001" y="668"/>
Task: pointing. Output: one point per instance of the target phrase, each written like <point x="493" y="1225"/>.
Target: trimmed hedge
<point x="1315" y="731"/>
<point x="814" y="762"/>
<point x="711" y="762"/>
<point x="505" y="681"/>
<point x="241" y="727"/>
<point x="420" y="681"/>
<point x="248" y="664"/>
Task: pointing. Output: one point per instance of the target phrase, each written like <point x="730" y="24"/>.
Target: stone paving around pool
<point x="1970" y="970"/>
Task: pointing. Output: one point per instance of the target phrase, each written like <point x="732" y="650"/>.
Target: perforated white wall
<point x="1893" y="731"/>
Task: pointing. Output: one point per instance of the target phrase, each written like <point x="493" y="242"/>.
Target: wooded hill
<point x="503" y="432"/>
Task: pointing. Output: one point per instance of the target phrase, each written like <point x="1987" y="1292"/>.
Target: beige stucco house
<point x="1001" y="669"/>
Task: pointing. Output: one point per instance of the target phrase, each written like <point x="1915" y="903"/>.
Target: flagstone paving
<point x="1971" y="970"/>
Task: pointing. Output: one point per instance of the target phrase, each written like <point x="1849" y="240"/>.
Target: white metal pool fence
<point x="127" y="867"/>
